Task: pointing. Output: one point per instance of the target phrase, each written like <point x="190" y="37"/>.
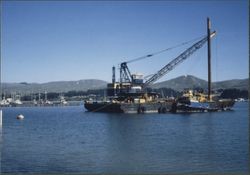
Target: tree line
<point x="163" y="92"/>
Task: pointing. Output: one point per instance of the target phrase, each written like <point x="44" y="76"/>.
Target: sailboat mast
<point x="209" y="58"/>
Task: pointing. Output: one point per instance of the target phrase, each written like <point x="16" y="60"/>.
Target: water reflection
<point x="155" y="142"/>
<point x="123" y="134"/>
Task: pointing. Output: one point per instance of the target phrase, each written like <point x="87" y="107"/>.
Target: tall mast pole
<point x="209" y="58"/>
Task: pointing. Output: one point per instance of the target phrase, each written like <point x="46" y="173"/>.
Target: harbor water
<point x="69" y="140"/>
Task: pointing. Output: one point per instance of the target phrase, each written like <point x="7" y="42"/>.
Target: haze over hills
<point x="177" y="84"/>
<point x="56" y="86"/>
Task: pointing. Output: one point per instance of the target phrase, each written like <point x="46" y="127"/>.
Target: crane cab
<point x="137" y="79"/>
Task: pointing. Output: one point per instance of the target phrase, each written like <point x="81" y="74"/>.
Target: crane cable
<point x="164" y="50"/>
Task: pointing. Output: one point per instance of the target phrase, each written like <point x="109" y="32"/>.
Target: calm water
<point x="67" y="139"/>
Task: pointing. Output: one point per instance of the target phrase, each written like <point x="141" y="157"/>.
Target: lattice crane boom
<point x="177" y="61"/>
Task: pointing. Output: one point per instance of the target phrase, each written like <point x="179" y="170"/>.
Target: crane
<point x="170" y="66"/>
<point x="127" y="79"/>
<point x="125" y="74"/>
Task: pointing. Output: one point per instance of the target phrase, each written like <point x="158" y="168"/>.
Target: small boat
<point x="241" y="100"/>
<point x="4" y="102"/>
<point x="192" y="101"/>
<point x="63" y="101"/>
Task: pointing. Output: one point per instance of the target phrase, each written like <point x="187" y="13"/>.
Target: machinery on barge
<point x="130" y="95"/>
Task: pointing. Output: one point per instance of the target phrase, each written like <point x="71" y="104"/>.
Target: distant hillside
<point x="242" y="84"/>
<point x="191" y="82"/>
<point x="178" y="84"/>
<point x="57" y="86"/>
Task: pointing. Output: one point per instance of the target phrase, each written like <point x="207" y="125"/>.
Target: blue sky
<point x="73" y="40"/>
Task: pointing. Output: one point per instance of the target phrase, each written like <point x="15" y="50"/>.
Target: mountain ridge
<point x="54" y="86"/>
<point x="179" y="83"/>
<point x="189" y="82"/>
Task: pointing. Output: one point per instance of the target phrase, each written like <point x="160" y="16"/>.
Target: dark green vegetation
<point x="234" y="93"/>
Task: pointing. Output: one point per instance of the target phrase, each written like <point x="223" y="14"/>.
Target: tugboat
<point x="198" y="102"/>
<point x="130" y="95"/>
<point x="193" y="101"/>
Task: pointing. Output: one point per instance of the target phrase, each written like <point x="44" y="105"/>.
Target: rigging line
<point x="164" y="50"/>
<point x="148" y="76"/>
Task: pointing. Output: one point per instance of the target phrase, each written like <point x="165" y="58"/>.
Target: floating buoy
<point x="20" y="117"/>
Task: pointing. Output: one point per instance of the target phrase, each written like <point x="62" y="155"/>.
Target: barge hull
<point x="132" y="108"/>
<point x="158" y="107"/>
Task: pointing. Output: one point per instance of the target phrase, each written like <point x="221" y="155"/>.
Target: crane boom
<point x="177" y="60"/>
